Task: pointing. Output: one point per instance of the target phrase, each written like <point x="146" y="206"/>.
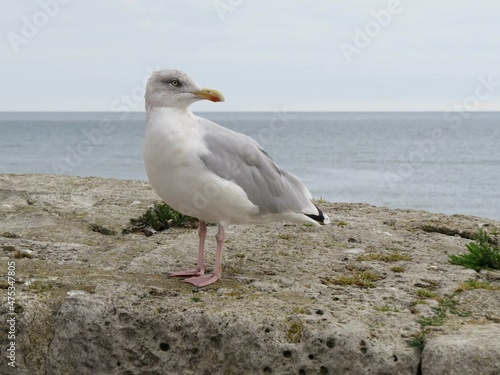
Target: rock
<point x="468" y="351"/>
<point x="293" y="299"/>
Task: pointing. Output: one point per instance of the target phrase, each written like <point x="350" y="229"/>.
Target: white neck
<point x="161" y="115"/>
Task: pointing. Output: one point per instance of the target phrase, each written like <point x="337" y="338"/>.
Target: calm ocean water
<point x="438" y="162"/>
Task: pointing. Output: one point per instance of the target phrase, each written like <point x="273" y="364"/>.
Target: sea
<point x="440" y="162"/>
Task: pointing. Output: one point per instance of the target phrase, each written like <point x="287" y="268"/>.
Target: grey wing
<point x="239" y="158"/>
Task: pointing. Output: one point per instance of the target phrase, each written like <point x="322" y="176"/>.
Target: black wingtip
<point x="321" y="217"/>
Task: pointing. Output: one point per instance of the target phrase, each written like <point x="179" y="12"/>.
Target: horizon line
<point x="269" y="111"/>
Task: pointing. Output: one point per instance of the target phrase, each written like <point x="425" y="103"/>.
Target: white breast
<point x="172" y="145"/>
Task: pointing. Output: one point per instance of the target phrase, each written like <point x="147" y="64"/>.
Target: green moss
<point x="342" y="223"/>
<point x="472" y="284"/>
<point x="21" y="254"/>
<point x="294" y="333"/>
<point x="398" y="269"/>
<point x="353" y="267"/>
<point x="384" y="257"/>
<point x="102" y="230"/>
<point x="432" y="284"/>
<point x="425" y="293"/>
<point x="301" y="310"/>
<point x="40" y="286"/>
<point x="386" y="308"/>
<point x="362" y="279"/>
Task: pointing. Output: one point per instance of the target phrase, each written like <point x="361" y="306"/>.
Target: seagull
<point x="217" y="175"/>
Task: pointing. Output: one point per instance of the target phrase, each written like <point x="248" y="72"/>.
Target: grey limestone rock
<point x="293" y="299"/>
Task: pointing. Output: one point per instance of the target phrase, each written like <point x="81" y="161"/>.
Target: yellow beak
<point x="210" y="94"/>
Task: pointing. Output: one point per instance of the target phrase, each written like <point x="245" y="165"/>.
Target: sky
<point x="336" y="55"/>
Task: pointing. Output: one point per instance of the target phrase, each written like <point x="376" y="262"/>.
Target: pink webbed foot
<point x="200" y="281"/>
<point x="186" y="273"/>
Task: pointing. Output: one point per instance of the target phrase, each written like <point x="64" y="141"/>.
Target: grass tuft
<point x="482" y="253"/>
<point x="362" y="279"/>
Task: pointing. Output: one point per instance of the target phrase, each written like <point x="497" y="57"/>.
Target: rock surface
<point x="347" y="298"/>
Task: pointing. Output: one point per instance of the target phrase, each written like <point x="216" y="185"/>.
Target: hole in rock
<point x="330" y="342"/>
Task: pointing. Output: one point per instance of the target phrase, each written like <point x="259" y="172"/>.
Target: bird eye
<point x="174" y="82"/>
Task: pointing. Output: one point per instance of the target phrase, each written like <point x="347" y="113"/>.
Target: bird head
<point x="173" y="88"/>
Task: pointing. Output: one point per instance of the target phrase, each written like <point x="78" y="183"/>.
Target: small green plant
<point x="435" y="320"/>
<point x="449" y="304"/>
<point x="342" y="223"/>
<point x="418" y="341"/>
<point x="321" y="200"/>
<point x="446" y="305"/>
<point x="161" y="217"/>
<point x="482" y="253"/>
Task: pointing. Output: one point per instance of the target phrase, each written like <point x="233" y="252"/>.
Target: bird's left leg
<point x="200" y="270"/>
<point x="208" y="279"/>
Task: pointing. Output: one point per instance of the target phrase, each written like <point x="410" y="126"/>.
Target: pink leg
<point x="200" y="270"/>
<point x="208" y="279"/>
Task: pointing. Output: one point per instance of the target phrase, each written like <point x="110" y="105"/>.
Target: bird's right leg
<point x="200" y="270"/>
